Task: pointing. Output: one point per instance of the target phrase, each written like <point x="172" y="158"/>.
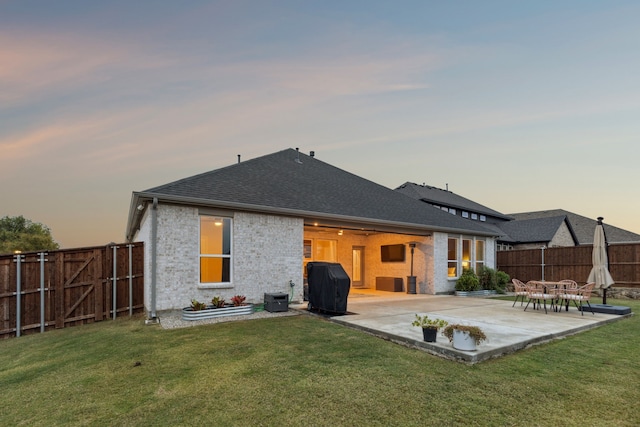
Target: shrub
<point x="468" y="281"/>
<point x="197" y="305"/>
<point x="502" y="278"/>
<point x="238" y="300"/>
<point x="493" y="280"/>
<point x="218" y="302"/>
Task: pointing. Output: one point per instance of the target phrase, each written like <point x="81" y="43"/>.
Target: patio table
<point x="548" y="292"/>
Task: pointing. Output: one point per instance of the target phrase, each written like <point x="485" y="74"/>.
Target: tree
<point x="20" y="234"/>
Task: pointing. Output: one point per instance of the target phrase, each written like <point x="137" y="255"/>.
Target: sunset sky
<point x="517" y="106"/>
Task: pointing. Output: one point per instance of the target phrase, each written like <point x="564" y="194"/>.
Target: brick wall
<point x="266" y="255"/>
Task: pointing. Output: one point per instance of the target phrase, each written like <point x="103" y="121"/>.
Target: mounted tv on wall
<point x="392" y="253"/>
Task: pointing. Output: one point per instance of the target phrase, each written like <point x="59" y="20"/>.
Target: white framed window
<point x="465" y="214"/>
<point x="452" y="256"/>
<point x="215" y="250"/>
<point x="464" y="252"/>
<point x="479" y="255"/>
<point x="474" y="216"/>
<point x="483" y="218"/>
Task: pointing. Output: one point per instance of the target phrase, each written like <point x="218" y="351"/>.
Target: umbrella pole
<point x="606" y="247"/>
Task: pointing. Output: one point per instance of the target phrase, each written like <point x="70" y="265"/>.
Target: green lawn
<point x="306" y="371"/>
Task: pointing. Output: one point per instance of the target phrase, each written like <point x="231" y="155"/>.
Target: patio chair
<point x="579" y="296"/>
<point x="565" y="284"/>
<point x="539" y="294"/>
<point x="520" y="290"/>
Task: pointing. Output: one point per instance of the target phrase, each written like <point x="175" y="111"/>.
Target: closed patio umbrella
<point x="600" y="272"/>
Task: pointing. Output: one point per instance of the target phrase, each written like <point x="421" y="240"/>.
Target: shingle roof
<point x="307" y="186"/>
<point x="531" y="230"/>
<point x="583" y="227"/>
<point x="439" y="196"/>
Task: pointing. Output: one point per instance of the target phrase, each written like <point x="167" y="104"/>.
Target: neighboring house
<point x="534" y="233"/>
<point x="523" y="230"/>
<point x="583" y="227"/>
<point x="250" y="228"/>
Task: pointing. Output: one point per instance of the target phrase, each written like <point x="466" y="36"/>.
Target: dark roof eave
<point x="137" y="198"/>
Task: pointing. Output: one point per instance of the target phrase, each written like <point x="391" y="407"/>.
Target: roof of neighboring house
<point x="439" y="196"/>
<point x="291" y="183"/>
<point x="535" y="230"/>
<point x="583" y="227"/>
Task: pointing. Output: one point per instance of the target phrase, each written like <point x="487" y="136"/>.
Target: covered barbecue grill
<point x="328" y="287"/>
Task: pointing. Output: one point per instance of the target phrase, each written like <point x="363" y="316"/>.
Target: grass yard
<point x="306" y="371"/>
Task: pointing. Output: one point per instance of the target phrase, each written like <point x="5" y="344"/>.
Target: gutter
<point x="154" y="252"/>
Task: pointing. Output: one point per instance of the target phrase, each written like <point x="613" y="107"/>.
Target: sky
<point x="519" y="106"/>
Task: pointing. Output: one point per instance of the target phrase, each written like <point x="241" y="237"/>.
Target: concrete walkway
<point x="508" y="329"/>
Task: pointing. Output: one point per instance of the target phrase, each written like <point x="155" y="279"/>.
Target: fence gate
<point x="56" y="289"/>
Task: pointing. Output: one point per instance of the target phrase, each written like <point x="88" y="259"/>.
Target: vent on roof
<point x="238" y="158"/>
<point x="298" y="156"/>
<point x="312" y="153"/>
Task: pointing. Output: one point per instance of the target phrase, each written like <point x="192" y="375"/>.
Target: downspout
<point x="154" y="251"/>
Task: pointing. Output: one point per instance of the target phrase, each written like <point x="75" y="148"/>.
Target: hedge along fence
<point x="56" y="289"/>
<point x="572" y="262"/>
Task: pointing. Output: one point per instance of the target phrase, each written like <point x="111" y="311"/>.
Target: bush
<point x="493" y="280"/>
<point x="502" y="278"/>
<point x="468" y="281"/>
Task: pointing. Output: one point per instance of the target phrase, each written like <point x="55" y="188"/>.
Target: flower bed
<point x="188" y="313"/>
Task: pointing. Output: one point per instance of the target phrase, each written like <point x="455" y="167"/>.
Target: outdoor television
<point x="392" y="253"/>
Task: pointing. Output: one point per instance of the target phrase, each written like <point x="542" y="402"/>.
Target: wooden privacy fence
<point x="55" y="289"/>
<point x="572" y="263"/>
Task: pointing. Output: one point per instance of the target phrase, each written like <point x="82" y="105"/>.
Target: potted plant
<point x="429" y="326"/>
<point x="464" y="337"/>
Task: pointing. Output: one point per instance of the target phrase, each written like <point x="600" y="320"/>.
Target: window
<point x="483" y="218"/>
<point x="474" y="216"/>
<point x="452" y="252"/>
<point x="326" y="250"/>
<point x="452" y="211"/>
<point x="464" y="253"/>
<point x="215" y="249"/>
<point x="465" y="214"/>
<point x="479" y="255"/>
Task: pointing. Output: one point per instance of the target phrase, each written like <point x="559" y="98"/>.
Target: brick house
<point x="251" y="227"/>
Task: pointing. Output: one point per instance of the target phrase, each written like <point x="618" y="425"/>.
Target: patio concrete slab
<point x="508" y="328"/>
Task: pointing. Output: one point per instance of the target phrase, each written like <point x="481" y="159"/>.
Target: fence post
<point x="115" y="280"/>
<point x="18" y="260"/>
<point x="42" y="319"/>
<point x="130" y="246"/>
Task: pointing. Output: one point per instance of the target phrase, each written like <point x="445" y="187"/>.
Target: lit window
<point x="326" y="250"/>
<point x="479" y="255"/>
<point x="452" y="255"/>
<point x="215" y="249"/>
<point x="464" y="254"/>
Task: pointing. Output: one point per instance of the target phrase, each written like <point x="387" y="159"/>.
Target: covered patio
<point x="508" y="329"/>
